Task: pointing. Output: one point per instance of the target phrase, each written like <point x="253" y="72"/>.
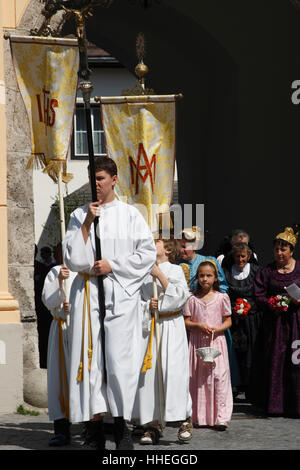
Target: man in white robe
<point x="128" y="255"/>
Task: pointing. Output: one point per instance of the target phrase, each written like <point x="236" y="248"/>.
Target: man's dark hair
<point x="105" y="163"/>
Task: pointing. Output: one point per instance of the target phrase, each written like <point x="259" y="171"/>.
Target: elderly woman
<point x="279" y="380"/>
<point x="237" y="236"/>
<point x="245" y="325"/>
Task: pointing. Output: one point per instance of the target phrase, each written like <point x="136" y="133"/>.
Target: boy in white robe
<point x="128" y="255"/>
<point x="58" y="360"/>
<point x="172" y="293"/>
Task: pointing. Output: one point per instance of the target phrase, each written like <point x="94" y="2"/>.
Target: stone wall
<point x="20" y="200"/>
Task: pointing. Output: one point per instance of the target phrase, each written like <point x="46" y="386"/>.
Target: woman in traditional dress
<point x="278" y="384"/>
<point x="245" y="324"/>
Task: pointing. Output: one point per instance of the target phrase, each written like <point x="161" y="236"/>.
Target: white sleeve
<point x="130" y="270"/>
<point x="52" y="296"/>
<point x="78" y="256"/>
<point x="176" y="294"/>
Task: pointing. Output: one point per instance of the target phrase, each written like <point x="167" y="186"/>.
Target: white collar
<point x="239" y="275"/>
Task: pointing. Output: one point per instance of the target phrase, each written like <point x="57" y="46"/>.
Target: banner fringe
<point x="54" y="167"/>
<point x="36" y="161"/>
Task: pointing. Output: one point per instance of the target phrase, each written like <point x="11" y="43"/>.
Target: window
<point x="79" y="148"/>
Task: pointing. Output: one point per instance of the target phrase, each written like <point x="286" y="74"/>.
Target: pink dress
<point x="210" y="384"/>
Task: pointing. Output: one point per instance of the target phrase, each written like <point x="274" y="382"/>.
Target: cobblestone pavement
<point x="248" y="430"/>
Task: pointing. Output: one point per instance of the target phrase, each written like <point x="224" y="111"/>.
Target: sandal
<point x="151" y="436"/>
<point x="185" y="431"/>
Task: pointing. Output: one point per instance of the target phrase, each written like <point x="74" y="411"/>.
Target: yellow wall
<point x="11" y="12"/>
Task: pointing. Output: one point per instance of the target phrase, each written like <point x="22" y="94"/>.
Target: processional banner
<point x="140" y="137"/>
<point x="46" y="72"/>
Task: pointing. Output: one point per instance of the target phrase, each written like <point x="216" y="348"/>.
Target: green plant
<point x="21" y="410"/>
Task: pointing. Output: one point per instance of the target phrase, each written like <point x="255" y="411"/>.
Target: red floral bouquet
<point x="242" y="307"/>
<point x="280" y="303"/>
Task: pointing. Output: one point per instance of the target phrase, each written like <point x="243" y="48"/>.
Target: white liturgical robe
<point x="58" y="362"/>
<point x="174" y="351"/>
<point x="127" y="244"/>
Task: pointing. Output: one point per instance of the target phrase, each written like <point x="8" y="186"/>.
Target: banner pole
<point x="158" y="362"/>
<point x="66" y="283"/>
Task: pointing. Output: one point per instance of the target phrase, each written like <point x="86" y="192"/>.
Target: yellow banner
<point x="46" y="72"/>
<point x="140" y="138"/>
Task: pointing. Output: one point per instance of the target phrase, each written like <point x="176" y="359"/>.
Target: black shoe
<point x="59" y="440"/>
<point x="61" y="433"/>
<point x="94" y="436"/>
<point x="122" y="435"/>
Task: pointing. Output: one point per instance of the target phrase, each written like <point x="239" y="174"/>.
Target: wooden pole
<point x="66" y="283"/>
<point x="158" y="362"/>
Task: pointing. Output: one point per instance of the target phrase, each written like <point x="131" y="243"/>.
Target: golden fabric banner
<point x="46" y="72"/>
<point x="140" y="137"/>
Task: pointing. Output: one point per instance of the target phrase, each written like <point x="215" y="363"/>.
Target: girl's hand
<point x="64" y="273"/>
<point x="153" y="304"/>
<point x="205" y="328"/>
<point x="66" y="307"/>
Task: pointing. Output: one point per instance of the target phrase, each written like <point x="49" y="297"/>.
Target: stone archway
<point x="236" y="122"/>
<point x="183" y="57"/>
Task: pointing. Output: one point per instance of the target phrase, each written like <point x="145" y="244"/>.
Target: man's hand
<point x="66" y="307"/>
<point x="102" y="267"/>
<point x="93" y="211"/>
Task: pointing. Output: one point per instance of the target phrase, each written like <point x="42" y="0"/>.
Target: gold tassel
<point x="80" y="373"/>
<point x="63" y="400"/>
<point x="147" y="364"/>
<point x="66" y="177"/>
<point x="90" y="352"/>
<point x="86" y="302"/>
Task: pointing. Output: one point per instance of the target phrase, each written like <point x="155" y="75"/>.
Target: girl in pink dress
<point x="209" y="311"/>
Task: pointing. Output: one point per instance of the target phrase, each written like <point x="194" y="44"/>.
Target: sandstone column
<point x="11" y="331"/>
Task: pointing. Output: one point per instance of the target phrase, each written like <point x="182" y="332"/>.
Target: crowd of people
<point x="181" y="334"/>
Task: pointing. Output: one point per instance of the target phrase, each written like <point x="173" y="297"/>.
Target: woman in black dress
<point x="240" y="277"/>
